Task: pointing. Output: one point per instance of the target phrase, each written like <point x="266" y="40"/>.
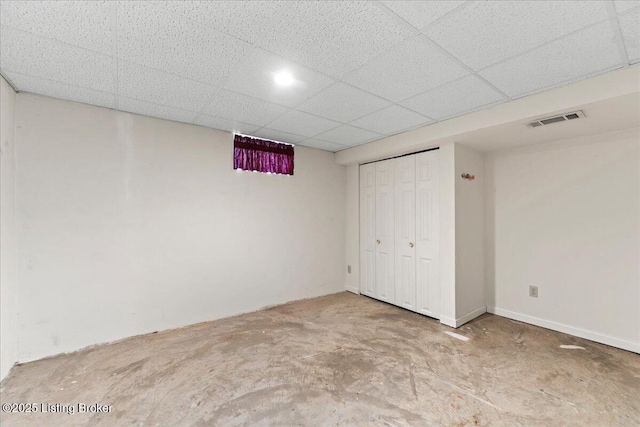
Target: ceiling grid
<point x="613" y="19"/>
<point x="364" y="70"/>
<point x="445" y="52"/>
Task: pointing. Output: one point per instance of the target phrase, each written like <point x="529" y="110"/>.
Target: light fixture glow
<point x="283" y="78"/>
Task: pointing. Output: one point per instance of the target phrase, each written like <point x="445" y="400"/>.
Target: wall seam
<point x="17" y="227"/>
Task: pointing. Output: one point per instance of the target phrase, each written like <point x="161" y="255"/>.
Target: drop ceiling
<point x="363" y="70"/>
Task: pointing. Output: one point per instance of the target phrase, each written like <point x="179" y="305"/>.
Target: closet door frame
<point x="384" y="234"/>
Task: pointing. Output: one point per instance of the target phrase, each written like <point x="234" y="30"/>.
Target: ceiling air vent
<point x="556" y="119"/>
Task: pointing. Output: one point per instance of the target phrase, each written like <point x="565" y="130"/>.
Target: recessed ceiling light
<point x="283" y="78"/>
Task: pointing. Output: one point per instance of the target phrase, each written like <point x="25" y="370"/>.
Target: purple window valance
<point x="253" y="154"/>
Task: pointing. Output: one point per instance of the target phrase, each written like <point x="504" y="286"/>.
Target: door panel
<point x="368" y="229"/>
<point x="385" y="271"/>
<point x="424" y="273"/>
<point x="427" y="234"/>
<point x="405" y="232"/>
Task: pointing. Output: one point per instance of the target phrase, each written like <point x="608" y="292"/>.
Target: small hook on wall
<point x="468" y="176"/>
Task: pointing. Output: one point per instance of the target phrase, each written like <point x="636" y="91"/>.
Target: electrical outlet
<point x="349" y="269"/>
<point x="533" y="291"/>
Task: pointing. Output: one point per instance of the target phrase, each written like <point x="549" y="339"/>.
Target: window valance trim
<point x="260" y="155"/>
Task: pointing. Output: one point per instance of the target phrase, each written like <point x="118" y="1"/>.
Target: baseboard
<point x="470" y="316"/>
<point x="449" y="321"/>
<point x="353" y="290"/>
<point x="459" y="321"/>
<point x="570" y="330"/>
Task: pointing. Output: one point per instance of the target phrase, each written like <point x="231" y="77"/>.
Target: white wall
<point x="461" y="235"/>
<point x="8" y="278"/>
<point x="131" y="224"/>
<point x="565" y="216"/>
<point x="469" y="235"/>
<point x="352" y="229"/>
<point x="447" y="202"/>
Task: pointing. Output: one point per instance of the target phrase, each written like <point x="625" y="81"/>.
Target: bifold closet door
<point x="368" y="229"/>
<point x="405" y="232"/>
<point x="385" y="242"/>
<point x="427" y="234"/>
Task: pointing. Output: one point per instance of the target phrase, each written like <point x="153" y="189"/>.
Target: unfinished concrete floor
<point x="337" y="360"/>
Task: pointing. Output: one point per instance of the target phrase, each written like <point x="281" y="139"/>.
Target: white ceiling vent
<point x="555" y="119"/>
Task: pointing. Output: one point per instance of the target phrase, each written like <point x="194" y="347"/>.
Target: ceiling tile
<point x="173" y="54"/>
<point x="245" y="20"/>
<point x="60" y="90"/>
<point x="224" y="124"/>
<point x="361" y="143"/>
<point x="333" y="37"/>
<point x="81" y="24"/>
<point x="580" y="54"/>
<point x="254" y="77"/>
<point x="630" y="27"/>
<point x="391" y="120"/>
<point x="138" y="82"/>
<point x="343" y="103"/>
<point x="278" y="136"/>
<point x="322" y="145"/>
<point x="422" y="13"/>
<point x="302" y="123"/>
<point x="624" y="5"/>
<point x="39" y="57"/>
<point x="483" y="33"/>
<point x="242" y="108"/>
<point x="347" y="135"/>
<point x="154" y="110"/>
<point x="452" y="99"/>
<point x="411" y="67"/>
<point x="157" y="38"/>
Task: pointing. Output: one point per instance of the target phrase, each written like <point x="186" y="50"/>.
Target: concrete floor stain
<point x="341" y="360"/>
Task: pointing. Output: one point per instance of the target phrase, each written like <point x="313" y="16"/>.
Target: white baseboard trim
<point x="470" y="316"/>
<point x="457" y="322"/>
<point x="449" y="321"/>
<point x="353" y="290"/>
<point x="570" y="330"/>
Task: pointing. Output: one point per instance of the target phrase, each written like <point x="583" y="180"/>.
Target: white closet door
<point x="368" y="229"/>
<point x="385" y="272"/>
<point x="427" y="234"/>
<point x="405" y="232"/>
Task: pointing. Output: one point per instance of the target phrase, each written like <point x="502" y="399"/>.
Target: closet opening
<point x="400" y="231"/>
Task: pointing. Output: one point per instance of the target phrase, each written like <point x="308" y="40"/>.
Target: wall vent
<point x="556" y="119"/>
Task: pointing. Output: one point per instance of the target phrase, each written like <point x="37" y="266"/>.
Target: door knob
<point x="410" y="245"/>
<point x="378" y="241"/>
